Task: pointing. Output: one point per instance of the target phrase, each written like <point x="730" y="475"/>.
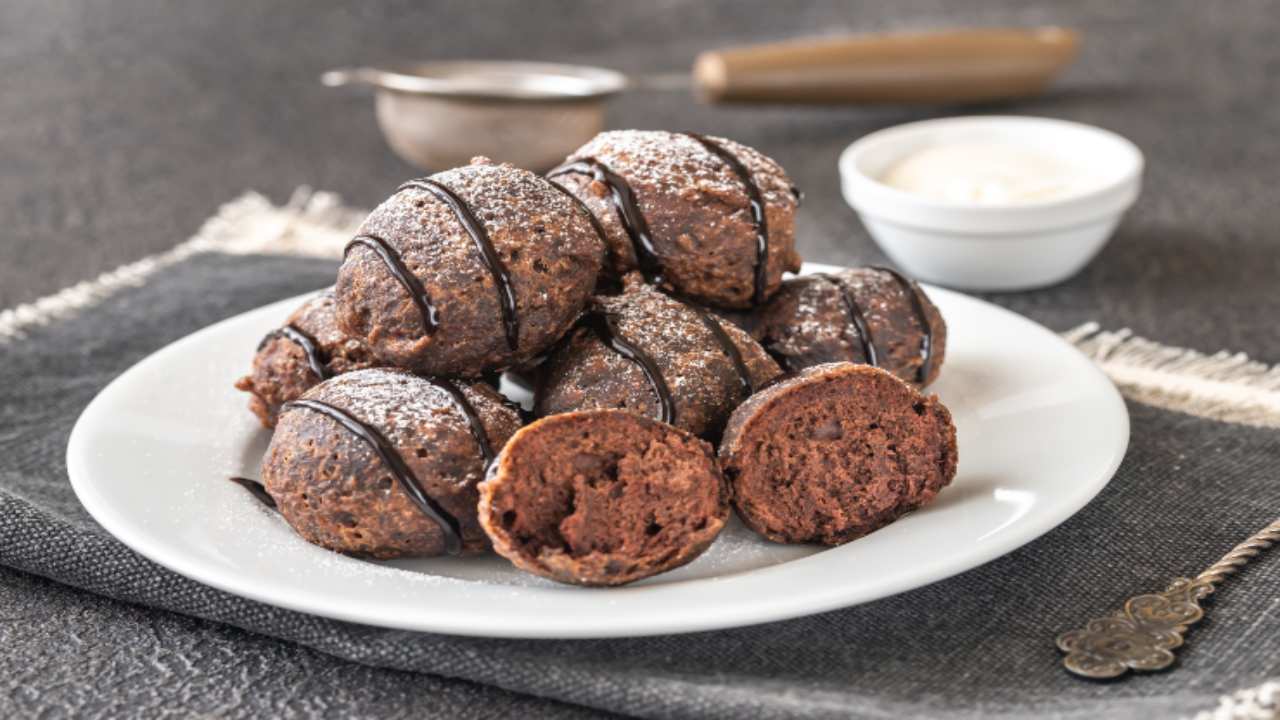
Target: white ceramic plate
<point x="1041" y="431"/>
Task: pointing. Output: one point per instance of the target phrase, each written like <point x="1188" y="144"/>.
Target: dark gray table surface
<point x="124" y="125"/>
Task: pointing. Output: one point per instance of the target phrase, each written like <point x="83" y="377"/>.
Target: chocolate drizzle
<point x="758" y="218"/>
<point x="256" y="489"/>
<point x="448" y="524"/>
<point x="473" y="418"/>
<point x="395" y="265"/>
<point x="629" y="214"/>
<point x="315" y="358"/>
<point x="601" y="323"/>
<point x="726" y="345"/>
<point x="926" y="330"/>
<point x="856" y="318"/>
<point x="488" y="255"/>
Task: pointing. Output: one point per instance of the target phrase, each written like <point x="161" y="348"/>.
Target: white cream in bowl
<point x="991" y="202"/>
<point x="989" y="173"/>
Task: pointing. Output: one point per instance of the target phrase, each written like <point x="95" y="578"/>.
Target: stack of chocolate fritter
<point x="607" y="286"/>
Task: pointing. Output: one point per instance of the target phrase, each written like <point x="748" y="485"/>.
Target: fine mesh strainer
<point x="438" y="115"/>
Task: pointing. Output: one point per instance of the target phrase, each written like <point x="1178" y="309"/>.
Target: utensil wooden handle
<point x="936" y="67"/>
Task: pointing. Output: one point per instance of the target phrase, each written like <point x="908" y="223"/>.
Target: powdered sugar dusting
<point x="816" y="301"/>
<point x="397" y="403"/>
<point x="773" y="181"/>
<point x="266" y="538"/>
<point x="702" y="378"/>
<point x="676" y="163"/>
<point x="510" y="202"/>
<point x="809" y="311"/>
<point x="529" y="280"/>
<point x="702" y="217"/>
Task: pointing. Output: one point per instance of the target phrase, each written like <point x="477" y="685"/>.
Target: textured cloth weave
<point x="980" y="644"/>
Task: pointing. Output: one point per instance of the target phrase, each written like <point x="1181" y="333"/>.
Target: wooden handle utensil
<point x="936" y="67"/>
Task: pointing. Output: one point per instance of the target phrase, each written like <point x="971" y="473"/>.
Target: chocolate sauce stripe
<point x="448" y="524"/>
<point x="308" y="344"/>
<point x="474" y="424"/>
<point x="629" y="213"/>
<point x="756" y="202"/>
<point x="395" y="265"/>
<point x="600" y="323"/>
<point x="726" y="344"/>
<point x="857" y="318"/>
<point x="488" y="254"/>
<point x="257" y="490"/>
<point x="914" y="293"/>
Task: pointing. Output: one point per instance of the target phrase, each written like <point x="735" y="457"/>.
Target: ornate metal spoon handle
<point x="1145" y="633"/>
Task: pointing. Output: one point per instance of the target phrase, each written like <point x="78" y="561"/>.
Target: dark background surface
<point x="124" y="125"/>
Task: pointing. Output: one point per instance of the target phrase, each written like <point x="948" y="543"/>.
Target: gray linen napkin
<point x="980" y="644"/>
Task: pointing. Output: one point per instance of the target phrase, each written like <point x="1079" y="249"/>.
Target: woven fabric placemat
<point x="1199" y="477"/>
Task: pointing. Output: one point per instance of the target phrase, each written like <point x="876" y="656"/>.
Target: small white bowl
<point x="993" y="247"/>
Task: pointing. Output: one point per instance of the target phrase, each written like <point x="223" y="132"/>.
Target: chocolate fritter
<point x="814" y="319"/>
<point x="336" y="491"/>
<point x="284" y="367"/>
<point x="834" y="453"/>
<point x="545" y="252"/>
<point x="702" y="378"/>
<point x="603" y="497"/>
<point x="697" y="210"/>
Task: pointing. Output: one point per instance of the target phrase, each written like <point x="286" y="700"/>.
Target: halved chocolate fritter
<point x="834" y="453"/>
<point x="602" y="497"/>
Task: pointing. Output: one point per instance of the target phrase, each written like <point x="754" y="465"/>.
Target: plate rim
<point x="923" y="571"/>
